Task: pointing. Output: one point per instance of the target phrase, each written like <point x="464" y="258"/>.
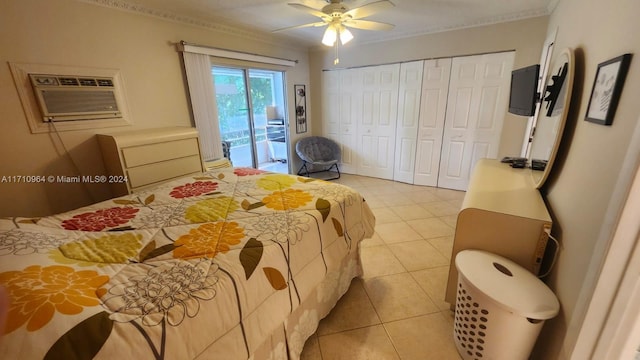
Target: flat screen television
<point x="524" y="90"/>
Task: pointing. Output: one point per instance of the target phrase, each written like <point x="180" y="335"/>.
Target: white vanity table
<point x="503" y="211"/>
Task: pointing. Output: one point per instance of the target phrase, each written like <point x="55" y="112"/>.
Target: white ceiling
<point x="410" y="17"/>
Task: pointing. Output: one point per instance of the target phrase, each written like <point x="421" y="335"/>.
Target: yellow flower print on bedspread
<point x="287" y="200"/>
<point x="275" y="182"/>
<point x="208" y="240"/>
<point x="211" y="209"/>
<point x="116" y="249"/>
<point x="37" y="293"/>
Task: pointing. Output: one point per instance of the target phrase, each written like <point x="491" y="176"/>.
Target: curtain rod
<point x="232" y="54"/>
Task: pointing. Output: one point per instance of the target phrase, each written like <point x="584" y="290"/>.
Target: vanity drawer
<point x="152" y="153"/>
<point x="161" y="171"/>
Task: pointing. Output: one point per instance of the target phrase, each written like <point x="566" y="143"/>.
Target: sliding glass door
<point x="251" y="109"/>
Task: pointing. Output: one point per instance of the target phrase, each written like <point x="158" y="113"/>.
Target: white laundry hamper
<point x="500" y="307"/>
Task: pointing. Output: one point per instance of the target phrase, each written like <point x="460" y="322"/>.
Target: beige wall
<point x="525" y="37"/>
<point x="595" y="164"/>
<point x="66" y="32"/>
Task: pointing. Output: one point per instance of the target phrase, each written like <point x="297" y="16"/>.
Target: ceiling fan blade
<point x="309" y="10"/>
<point x="315" y="24"/>
<point x="367" y="25"/>
<point x="369" y="9"/>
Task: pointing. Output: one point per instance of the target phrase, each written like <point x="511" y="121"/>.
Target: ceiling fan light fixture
<point x="345" y="35"/>
<point x="337" y="16"/>
<point x="330" y="36"/>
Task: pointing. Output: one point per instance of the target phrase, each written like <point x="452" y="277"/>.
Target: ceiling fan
<point x="337" y="17"/>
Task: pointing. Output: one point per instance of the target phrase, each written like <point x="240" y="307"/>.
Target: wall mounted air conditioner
<point x="71" y="98"/>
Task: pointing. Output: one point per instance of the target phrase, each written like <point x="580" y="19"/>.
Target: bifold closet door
<point x="350" y="101"/>
<point x="410" y="86"/>
<point x="433" y="108"/>
<point x="341" y="99"/>
<point x="476" y="106"/>
<point x="377" y="121"/>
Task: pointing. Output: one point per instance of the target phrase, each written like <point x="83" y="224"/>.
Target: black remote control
<point x="512" y="159"/>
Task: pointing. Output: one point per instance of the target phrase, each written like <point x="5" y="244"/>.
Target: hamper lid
<point x="510" y="285"/>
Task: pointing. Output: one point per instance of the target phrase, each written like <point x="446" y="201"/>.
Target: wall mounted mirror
<point x="552" y="116"/>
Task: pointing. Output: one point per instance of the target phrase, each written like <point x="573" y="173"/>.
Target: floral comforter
<point x="231" y="264"/>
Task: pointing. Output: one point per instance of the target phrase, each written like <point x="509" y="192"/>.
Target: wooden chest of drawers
<point x="150" y="156"/>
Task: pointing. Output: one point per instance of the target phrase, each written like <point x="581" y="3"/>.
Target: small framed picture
<point x="301" y="108"/>
<point x="606" y="90"/>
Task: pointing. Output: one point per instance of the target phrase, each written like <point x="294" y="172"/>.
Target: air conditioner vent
<point x="65" y="81"/>
<point x="71" y="102"/>
<point x="105" y="82"/>
<point x="66" y="98"/>
<point x="88" y="82"/>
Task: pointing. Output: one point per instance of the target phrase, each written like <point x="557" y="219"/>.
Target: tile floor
<point x="396" y="311"/>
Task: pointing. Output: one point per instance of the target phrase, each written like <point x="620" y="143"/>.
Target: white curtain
<point x="203" y="103"/>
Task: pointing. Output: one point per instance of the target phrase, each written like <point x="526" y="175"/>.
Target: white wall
<point x="66" y="32"/>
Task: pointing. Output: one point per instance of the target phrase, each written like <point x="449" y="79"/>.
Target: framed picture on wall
<point x="301" y="108"/>
<point x="607" y="87"/>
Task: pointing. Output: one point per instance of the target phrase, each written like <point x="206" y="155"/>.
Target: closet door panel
<point x="386" y="109"/>
<point x="347" y="133"/>
<point x="383" y="159"/>
<point x="433" y="107"/>
<point x="426" y="169"/>
<point x="366" y="164"/>
<point x="404" y="161"/>
<point x="462" y="109"/>
<point x="488" y="110"/>
<point x="377" y="126"/>
<point x="410" y="88"/>
<point x="387" y="128"/>
<point x="460" y="120"/>
<point x="349" y="100"/>
<point x="369" y="103"/>
<point x="454" y="159"/>
<point x="475" y="114"/>
<point x="494" y="103"/>
<point x="349" y="96"/>
<point x="346" y="106"/>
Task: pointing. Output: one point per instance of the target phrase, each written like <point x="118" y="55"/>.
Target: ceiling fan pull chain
<point x="337" y="60"/>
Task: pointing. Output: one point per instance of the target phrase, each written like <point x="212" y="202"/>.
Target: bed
<point x="229" y="264"/>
